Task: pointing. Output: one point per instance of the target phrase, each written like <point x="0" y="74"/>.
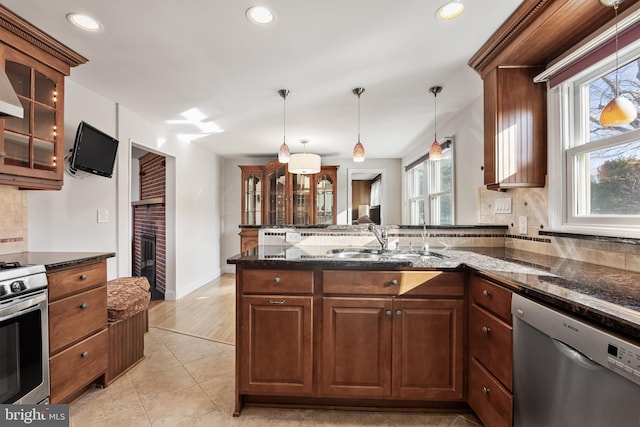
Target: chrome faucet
<point x="381" y="235"/>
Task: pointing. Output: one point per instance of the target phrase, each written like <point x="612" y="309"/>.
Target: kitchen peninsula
<point x="338" y="323"/>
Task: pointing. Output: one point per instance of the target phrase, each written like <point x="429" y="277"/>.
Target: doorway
<point x="366" y="195"/>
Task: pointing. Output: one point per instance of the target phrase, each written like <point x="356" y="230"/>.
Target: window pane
<point x="415" y="181"/>
<point x="603" y="90"/>
<point x="416" y="211"/>
<point x="441" y="210"/>
<point x="441" y="174"/>
<point x="608" y="181"/>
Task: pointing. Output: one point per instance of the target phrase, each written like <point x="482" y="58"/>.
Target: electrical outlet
<point x="292" y="237"/>
<point x="103" y="215"/>
<point x="522" y="225"/>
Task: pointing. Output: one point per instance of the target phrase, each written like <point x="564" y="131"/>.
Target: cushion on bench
<point x="127" y="296"/>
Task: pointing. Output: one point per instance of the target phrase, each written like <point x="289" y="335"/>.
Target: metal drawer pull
<point x="84" y="354"/>
<point x="485" y="391"/>
<point x="398" y="313"/>
<point x="394" y="282"/>
<point x="486" y="330"/>
<point x="276" y="301"/>
<point x="83" y="277"/>
<point x="388" y="313"/>
<point x="276" y="279"/>
<point x="486" y="294"/>
<point x="84" y="306"/>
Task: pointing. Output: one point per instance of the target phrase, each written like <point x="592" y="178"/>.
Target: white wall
<point x="66" y="220"/>
<point x="467" y="127"/>
<point x="231" y="183"/>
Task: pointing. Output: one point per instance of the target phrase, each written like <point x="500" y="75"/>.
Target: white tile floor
<point x="189" y="381"/>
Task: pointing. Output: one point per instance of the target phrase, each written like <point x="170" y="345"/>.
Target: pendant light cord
<point x="435" y="116"/>
<point x="284" y="119"/>
<point x="358" y="117"/>
<point x="615" y="8"/>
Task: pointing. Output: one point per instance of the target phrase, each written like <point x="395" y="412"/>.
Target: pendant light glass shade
<point x="435" y="150"/>
<point x="304" y="163"/>
<point x="283" y="153"/>
<point x="619" y="111"/>
<point x="358" y="149"/>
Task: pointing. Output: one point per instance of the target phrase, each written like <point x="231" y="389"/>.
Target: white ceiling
<point x="160" y="58"/>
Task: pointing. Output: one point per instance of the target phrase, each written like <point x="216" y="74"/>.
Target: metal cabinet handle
<point x="486" y="294"/>
<point x="388" y="313"/>
<point x="83" y="277"/>
<point x="398" y="313"/>
<point x="84" y="306"/>
<point x="84" y="354"/>
<point x="276" y="279"/>
<point x="486" y="330"/>
<point x="3" y="154"/>
<point x="276" y="301"/>
<point x="485" y="391"/>
<point x="394" y="282"/>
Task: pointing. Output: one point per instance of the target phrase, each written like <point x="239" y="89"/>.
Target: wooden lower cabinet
<point x="277" y="345"/>
<point x="407" y="349"/>
<point x="78" y="339"/>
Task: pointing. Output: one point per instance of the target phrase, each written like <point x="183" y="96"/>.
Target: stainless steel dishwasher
<point x="568" y="373"/>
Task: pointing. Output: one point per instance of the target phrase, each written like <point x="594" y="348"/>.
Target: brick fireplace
<point x="149" y="224"/>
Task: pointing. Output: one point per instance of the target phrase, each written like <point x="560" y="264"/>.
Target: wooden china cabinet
<point x="273" y="196"/>
<point x="32" y="148"/>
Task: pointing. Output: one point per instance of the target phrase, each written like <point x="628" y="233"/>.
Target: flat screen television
<point x="93" y="151"/>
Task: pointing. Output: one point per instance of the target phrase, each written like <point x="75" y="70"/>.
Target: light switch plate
<point x="103" y="215"/>
<point x="522" y="225"/>
<point x="502" y="205"/>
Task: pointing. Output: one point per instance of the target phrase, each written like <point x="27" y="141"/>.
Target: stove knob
<point x="3" y="290"/>
<point x="18" y="286"/>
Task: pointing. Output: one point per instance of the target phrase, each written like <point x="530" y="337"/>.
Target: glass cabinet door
<point x="276" y="196"/>
<point x="301" y="199"/>
<point x="252" y="200"/>
<point x="324" y="199"/>
<point x="30" y="144"/>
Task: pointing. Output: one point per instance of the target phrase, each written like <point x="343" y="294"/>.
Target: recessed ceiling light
<point x="450" y="10"/>
<point x="84" y="22"/>
<point x="260" y="15"/>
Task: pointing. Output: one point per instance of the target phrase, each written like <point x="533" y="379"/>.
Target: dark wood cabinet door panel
<point x="356" y="347"/>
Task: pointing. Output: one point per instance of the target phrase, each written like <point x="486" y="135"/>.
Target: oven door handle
<point x="25" y="306"/>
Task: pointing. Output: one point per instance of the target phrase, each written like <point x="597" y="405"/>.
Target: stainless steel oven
<point x="24" y="334"/>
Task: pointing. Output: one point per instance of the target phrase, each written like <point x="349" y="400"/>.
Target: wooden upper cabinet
<point x="272" y="196"/>
<point x="534" y="35"/>
<point x="515" y="129"/>
<point x="32" y="148"/>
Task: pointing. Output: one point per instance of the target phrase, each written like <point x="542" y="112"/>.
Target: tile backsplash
<point x="13" y="220"/>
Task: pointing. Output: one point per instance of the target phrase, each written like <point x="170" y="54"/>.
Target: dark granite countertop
<point x="53" y="260"/>
<point x="363" y="226"/>
<point x="607" y="296"/>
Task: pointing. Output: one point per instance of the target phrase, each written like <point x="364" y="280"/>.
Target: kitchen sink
<point x="378" y="254"/>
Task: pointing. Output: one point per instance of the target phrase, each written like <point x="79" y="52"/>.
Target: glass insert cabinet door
<point x="325" y="199"/>
<point x="252" y="203"/>
<point x="276" y="182"/>
<point x="301" y="198"/>
<point x="30" y="146"/>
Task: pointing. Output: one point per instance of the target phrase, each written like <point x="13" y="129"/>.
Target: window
<point x="600" y="169"/>
<point x="429" y="189"/>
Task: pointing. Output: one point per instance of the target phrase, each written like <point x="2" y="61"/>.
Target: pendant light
<point x="283" y="153"/>
<point x="304" y="163"/>
<point x="619" y="111"/>
<point x="358" y="149"/>
<point x="435" y="151"/>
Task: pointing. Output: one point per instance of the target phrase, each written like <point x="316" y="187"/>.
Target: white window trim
<point x="561" y="118"/>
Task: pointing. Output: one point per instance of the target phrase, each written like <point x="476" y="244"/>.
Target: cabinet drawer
<point x="491" y="342"/>
<point x="492" y="403"/>
<point x="78" y="365"/>
<point x="76" y="317"/>
<point x="493" y="297"/>
<point x="423" y="283"/>
<point x="264" y="281"/>
<point x="77" y="279"/>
